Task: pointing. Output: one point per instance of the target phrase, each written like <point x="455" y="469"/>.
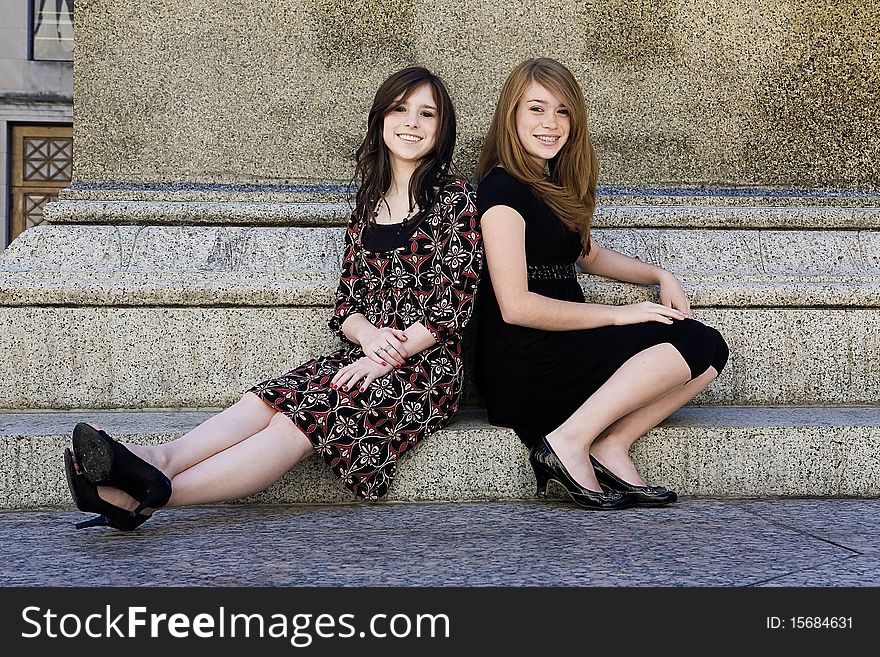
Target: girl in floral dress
<point x="413" y="255"/>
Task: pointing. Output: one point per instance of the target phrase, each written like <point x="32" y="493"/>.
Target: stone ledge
<point x="647" y="212"/>
<point x="718" y="452"/>
<point x="309" y="191"/>
<point x="316" y="289"/>
<point x="131" y="357"/>
<point x="198" y="265"/>
<point x="179" y="213"/>
<point x="305" y="191"/>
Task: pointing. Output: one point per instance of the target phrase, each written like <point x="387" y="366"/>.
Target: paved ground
<point x="697" y="542"/>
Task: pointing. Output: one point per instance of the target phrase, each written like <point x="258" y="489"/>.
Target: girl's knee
<point x="251" y="401"/>
<point x="701" y="346"/>
<point x="253" y="406"/>
<point x="722" y="352"/>
<point x="280" y="422"/>
<point x="291" y="435"/>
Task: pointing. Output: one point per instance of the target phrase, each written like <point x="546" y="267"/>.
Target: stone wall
<point x="697" y="92"/>
<point x="197" y="250"/>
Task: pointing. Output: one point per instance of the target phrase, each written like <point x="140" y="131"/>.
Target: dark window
<point x="52" y="30"/>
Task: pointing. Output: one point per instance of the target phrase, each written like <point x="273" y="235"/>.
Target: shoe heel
<point x="542" y="479"/>
<point x="97" y="521"/>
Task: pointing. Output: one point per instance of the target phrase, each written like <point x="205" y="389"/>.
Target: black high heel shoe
<point x="85" y="496"/>
<point x="106" y="462"/>
<point x="547" y="467"/>
<point x="641" y="495"/>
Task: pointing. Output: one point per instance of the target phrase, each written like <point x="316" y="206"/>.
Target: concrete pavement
<point x="697" y="542"/>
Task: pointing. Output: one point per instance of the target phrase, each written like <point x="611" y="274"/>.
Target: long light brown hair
<point x="373" y="168"/>
<point x="570" y="189"/>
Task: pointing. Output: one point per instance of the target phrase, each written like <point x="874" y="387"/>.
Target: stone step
<point x="177" y="316"/>
<point x="330" y="204"/>
<point x="628" y="213"/>
<point x="133" y="357"/>
<point x="699" y="451"/>
<point x="268" y="251"/>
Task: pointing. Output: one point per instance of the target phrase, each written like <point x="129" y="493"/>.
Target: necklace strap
<point x="408" y="216"/>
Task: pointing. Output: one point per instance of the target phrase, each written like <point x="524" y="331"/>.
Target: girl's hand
<point x="360" y="373"/>
<point x="672" y="294"/>
<point x="385" y="345"/>
<point x="646" y="311"/>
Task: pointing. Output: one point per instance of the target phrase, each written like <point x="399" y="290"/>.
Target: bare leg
<point x="247" y="467"/>
<point x="245" y="418"/>
<point x="612" y="446"/>
<point x="644" y="378"/>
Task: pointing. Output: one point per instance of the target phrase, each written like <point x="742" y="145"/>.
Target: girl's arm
<point x="348" y="319"/>
<point x="611" y="264"/>
<point x="504" y="242"/>
<point x="456" y="265"/>
<point x="414" y="339"/>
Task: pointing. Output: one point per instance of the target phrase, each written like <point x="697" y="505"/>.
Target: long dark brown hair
<point x="373" y="169"/>
<point x="570" y="190"/>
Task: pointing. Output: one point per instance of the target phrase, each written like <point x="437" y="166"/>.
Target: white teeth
<point x="410" y="138"/>
<point x="547" y="140"/>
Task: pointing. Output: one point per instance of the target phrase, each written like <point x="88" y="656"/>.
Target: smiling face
<point x="410" y="128"/>
<point x="543" y="122"/>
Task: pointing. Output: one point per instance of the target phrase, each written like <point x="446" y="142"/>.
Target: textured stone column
<point x="702" y="92"/>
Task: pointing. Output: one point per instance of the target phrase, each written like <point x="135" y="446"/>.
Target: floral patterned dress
<point x="431" y="279"/>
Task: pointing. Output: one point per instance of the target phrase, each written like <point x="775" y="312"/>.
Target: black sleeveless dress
<point x="532" y="379"/>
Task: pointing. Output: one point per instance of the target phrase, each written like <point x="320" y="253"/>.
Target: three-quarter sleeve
<point x="350" y="292"/>
<point x="457" y="263"/>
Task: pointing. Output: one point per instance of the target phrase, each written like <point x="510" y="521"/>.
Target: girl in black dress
<point x="579" y="382"/>
<point x="412" y="260"/>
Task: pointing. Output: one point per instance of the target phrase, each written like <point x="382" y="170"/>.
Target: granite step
<point x="330" y="204"/>
<point x="130" y="316"/>
<point x="124" y="357"/>
<point x="129" y="355"/>
<point x="729" y="451"/>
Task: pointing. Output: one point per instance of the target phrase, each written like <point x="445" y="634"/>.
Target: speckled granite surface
<point x="711" y="91"/>
<point x="731" y="452"/>
<point x="726" y="210"/>
<point x="208" y="354"/>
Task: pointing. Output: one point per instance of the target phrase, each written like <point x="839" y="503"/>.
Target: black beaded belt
<point x="551" y="272"/>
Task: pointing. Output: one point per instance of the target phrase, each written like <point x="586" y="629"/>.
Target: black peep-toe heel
<point x="548" y="467"/>
<point x="85" y="496"/>
<point x="107" y="462"/>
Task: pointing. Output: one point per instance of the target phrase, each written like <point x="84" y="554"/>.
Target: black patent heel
<point x="548" y="466"/>
<point x="542" y="479"/>
<point x="85" y="496"/>
<point x="107" y="462"/>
